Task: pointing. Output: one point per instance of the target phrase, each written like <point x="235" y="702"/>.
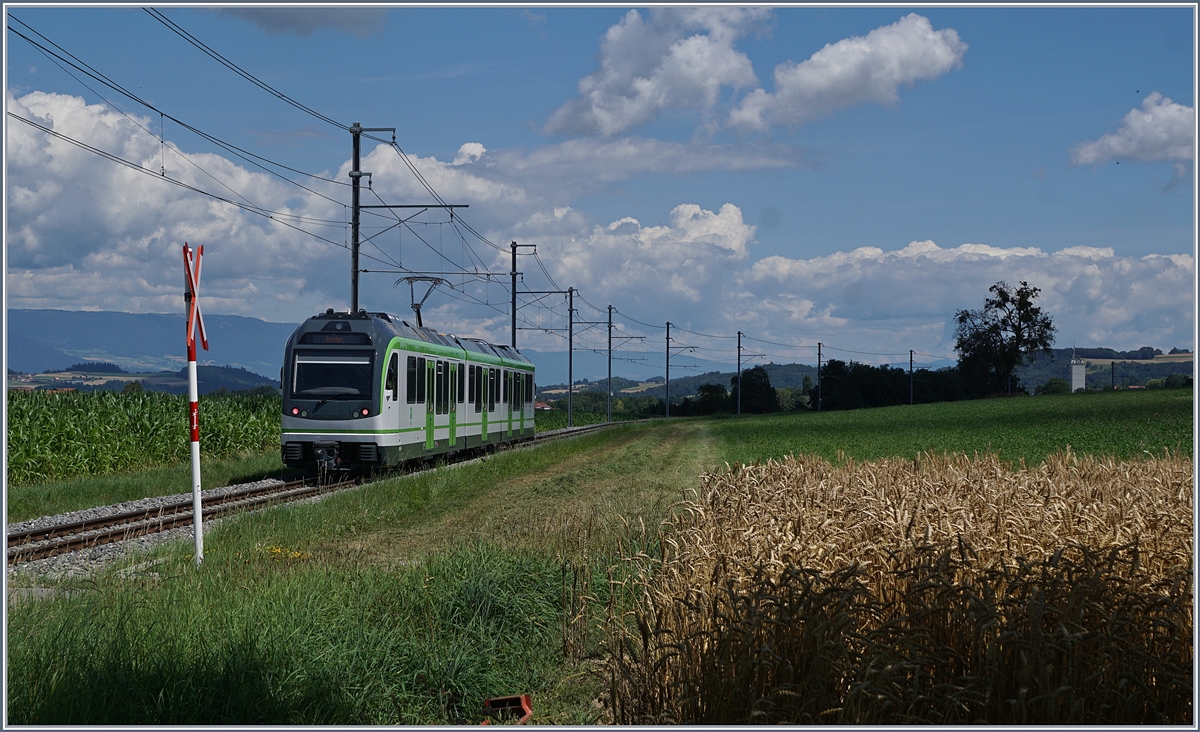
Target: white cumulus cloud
<point x="648" y="66"/>
<point x="1161" y="130"/>
<point x="852" y="71"/>
<point x="653" y="267"/>
<point x="890" y="300"/>
<point x="469" y="152"/>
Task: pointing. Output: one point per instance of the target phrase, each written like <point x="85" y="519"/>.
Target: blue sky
<point x="847" y="175"/>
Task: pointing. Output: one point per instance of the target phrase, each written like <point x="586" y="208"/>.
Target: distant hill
<point x="1131" y="367"/>
<point x="140" y="342"/>
<point x="208" y="380"/>
<point x="790" y="375"/>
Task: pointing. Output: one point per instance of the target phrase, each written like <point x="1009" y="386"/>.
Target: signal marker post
<point x="195" y="322"/>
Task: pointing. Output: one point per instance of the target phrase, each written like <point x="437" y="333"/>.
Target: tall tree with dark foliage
<point x="758" y="396"/>
<point x="1002" y="335"/>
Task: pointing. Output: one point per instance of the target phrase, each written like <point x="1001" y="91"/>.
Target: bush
<point x="1054" y="386"/>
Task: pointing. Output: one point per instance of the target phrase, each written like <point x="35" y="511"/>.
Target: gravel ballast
<point x="76" y="564"/>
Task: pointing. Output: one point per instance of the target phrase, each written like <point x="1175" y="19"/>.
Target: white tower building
<point x="1078" y="373"/>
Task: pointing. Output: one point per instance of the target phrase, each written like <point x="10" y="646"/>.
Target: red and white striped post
<point x="195" y="322"/>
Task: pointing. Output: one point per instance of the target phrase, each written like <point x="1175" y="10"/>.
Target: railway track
<point x="39" y="543"/>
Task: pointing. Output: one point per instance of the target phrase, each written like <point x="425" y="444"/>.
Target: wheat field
<point x="948" y="590"/>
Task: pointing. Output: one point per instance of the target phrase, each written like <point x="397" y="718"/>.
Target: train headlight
<point x="295" y="410"/>
<point x="304" y="413"/>
<point x="365" y="411"/>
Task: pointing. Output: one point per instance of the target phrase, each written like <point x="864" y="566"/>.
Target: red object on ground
<point x="508" y="706"/>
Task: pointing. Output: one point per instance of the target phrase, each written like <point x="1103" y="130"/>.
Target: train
<point x="368" y="391"/>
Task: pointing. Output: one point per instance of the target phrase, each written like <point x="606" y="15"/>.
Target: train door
<point x="520" y="387"/>
<point x="483" y="371"/>
<point x="430" y="385"/>
<point x="452" y="388"/>
<point x="510" y="397"/>
<point x="391" y="393"/>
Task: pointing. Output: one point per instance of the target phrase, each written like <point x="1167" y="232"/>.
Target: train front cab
<point x="435" y="394"/>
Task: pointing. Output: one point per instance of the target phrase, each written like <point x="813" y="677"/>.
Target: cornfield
<point x="61" y="436"/>
<point x="950" y="590"/>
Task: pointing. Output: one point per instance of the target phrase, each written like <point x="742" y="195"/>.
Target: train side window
<point x="392" y="383"/>
<point x="518" y="389"/>
<point x="471" y="383"/>
<point x="492" y="385"/>
<point x="478" y="401"/>
<point x="462" y="383"/>
<point x="529" y="387"/>
<point x="412" y="380"/>
<point x="506" y="377"/>
<point x="421" y="397"/>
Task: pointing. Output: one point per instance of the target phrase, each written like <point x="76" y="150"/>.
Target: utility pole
<point x="514" y="246"/>
<point x="356" y="175"/>
<point x="609" y="323"/>
<point x="677" y="348"/>
<point x="610" y="309"/>
<point x="668" y="393"/>
<point x="739" y="382"/>
<point x="818" y="376"/>
<point x="570" y="293"/>
<point x="910" y="377"/>
<point x="570" y="354"/>
<point x="625" y="339"/>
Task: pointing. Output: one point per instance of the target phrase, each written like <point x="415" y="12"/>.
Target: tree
<point x="758" y="396"/>
<point x="712" y="399"/>
<point x="1002" y="335"/>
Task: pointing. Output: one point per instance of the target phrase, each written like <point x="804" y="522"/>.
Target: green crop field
<point x="413" y="599"/>
<point x="61" y="436"/>
<point x="1123" y="424"/>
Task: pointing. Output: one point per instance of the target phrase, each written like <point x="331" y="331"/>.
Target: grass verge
<point x="46" y="499"/>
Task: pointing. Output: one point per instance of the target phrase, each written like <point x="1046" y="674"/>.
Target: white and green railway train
<point x="367" y="391"/>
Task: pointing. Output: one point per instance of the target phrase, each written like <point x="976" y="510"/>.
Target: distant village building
<point x="1078" y="374"/>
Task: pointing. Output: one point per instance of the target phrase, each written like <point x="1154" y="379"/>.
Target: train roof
<point x="403" y="329"/>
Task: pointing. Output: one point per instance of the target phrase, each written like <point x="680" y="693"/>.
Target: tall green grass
<point x="267" y="635"/>
<point x="557" y="419"/>
<point x="60" y="436"/>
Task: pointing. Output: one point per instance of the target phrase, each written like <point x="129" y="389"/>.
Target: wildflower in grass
<point x="279" y="553"/>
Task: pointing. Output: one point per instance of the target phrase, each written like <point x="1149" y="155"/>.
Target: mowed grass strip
<point x="1123" y="424"/>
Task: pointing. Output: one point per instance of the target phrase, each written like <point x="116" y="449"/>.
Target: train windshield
<point x="333" y="375"/>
